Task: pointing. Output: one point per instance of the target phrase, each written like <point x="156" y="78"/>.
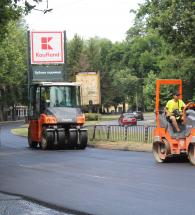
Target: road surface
<point x="148" y="120"/>
<point x="94" y="181"/>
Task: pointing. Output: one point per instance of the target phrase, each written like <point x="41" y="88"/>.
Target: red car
<point x="127" y="119"/>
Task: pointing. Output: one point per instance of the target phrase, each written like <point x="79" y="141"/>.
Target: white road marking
<point x="94" y="176"/>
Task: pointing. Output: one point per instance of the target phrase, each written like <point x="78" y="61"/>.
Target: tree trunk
<point x="1" y="113"/>
<point x="115" y="108"/>
<point x="13" y="113"/>
<point x="107" y="109"/>
<point x="124" y="107"/>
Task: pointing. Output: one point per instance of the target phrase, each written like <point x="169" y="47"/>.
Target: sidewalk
<point x="9" y="122"/>
<point x="15" y="205"/>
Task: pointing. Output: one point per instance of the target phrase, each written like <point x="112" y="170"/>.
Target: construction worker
<point x="173" y="110"/>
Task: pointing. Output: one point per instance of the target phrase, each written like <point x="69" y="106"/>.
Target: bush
<point x="92" y="116"/>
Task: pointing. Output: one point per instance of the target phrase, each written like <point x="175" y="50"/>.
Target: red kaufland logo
<point x="47" y="47"/>
<point x="45" y="43"/>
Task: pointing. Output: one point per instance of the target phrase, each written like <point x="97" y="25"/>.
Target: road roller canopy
<point x="45" y="95"/>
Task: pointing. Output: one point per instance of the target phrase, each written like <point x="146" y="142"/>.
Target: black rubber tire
<point x="191" y="153"/>
<point x="72" y="139"/>
<point x="32" y="144"/>
<point x="47" y="140"/>
<point x="160" y="151"/>
<point x="82" y="140"/>
<point x="61" y="139"/>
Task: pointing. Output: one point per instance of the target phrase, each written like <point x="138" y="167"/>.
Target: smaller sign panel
<point x="47" y="73"/>
<point x="47" y="47"/>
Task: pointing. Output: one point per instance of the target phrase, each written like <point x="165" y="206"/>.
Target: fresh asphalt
<point x="15" y="205"/>
<point x="94" y="181"/>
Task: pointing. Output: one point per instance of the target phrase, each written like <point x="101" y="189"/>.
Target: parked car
<point x="127" y="119"/>
<point x="138" y="115"/>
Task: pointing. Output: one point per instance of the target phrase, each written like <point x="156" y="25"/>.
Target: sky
<point x="88" y="18"/>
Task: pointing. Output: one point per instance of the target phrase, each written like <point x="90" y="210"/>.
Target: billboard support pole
<point x="65" y="59"/>
<point x="29" y="69"/>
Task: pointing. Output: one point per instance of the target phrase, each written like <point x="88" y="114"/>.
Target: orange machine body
<point x="35" y="126"/>
<point x="177" y="145"/>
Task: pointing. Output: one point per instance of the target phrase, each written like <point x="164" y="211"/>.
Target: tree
<point x="180" y="67"/>
<point x="137" y="30"/>
<point x="10" y="10"/>
<point x="111" y="61"/>
<point x="125" y="87"/>
<point x="13" y="70"/>
<point x="75" y="51"/>
<point x="173" y="20"/>
<point x="93" y="54"/>
<point x="149" y="90"/>
<point x="105" y="74"/>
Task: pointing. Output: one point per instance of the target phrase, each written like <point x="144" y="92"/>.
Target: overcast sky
<point x="88" y="18"/>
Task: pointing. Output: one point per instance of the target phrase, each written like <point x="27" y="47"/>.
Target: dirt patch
<point x="121" y="145"/>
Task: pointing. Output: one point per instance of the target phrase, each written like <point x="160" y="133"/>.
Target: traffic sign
<point x="47" y="47"/>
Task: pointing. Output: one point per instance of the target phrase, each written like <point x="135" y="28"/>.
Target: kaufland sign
<point x="47" y="47"/>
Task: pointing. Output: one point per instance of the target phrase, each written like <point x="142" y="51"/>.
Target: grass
<point x="122" y="145"/>
<point x="103" y="118"/>
<point x="132" y="145"/>
<point x="23" y="131"/>
<point x="108" y="117"/>
<point x="103" y="144"/>
<point x="91" y="122"/>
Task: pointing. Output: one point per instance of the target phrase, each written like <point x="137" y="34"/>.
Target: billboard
<point x="90" y="85"/>
<point x="47" y="47"/>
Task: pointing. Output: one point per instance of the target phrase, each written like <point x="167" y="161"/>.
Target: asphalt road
<point x="15" y="205"/>
<point x="93" y="181"/>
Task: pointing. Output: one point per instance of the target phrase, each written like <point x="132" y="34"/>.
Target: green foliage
<point x="160" y="44"/>
<point x="92" y="116"/>
<point x="93" y="54"/>
<point x="149" y="90"/>
<point x="75" y="49"/>
<point x="13" y="70"/>
<point x="10" y="10"/>
<point x="174" y="20"/>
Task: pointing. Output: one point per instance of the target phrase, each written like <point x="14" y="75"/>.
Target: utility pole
<point x="136" y="98"/>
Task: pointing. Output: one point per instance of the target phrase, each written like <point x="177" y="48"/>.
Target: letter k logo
<point x="45" y="43"/>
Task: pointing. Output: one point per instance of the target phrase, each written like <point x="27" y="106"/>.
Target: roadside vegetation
<point x="104" y="144"/>
<point x="23" y="130"/>
<point x="160" y="44"/>
<point x="122" y="145"/>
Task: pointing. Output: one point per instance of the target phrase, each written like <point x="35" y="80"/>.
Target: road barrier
<point x="139" y="133"/>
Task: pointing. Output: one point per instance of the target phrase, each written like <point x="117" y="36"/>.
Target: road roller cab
<point x="167" y="142"/>
<point x="55" y="116"/>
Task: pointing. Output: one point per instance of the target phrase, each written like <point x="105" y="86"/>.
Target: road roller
<point x="55" y="117"/>
<point x="167" y="143"/>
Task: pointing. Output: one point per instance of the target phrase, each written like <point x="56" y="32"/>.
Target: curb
<point x="9" y="122"/>
<point x="94" y="146"/>
<point x="43" y="203"/>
